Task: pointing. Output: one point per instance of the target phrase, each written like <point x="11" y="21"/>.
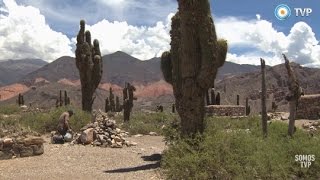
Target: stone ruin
<point x="102" y="132"/>
<point x="225" y="110"/>
<point x="309" y="107"/>
<point x="20" y="147"/>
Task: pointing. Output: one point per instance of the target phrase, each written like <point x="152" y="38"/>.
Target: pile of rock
<point x="103" y="132"/>
<point x="20" y="147"/>
<point x="311" y="125"/>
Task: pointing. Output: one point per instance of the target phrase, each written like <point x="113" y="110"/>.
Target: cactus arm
<point x="166" y="67"/>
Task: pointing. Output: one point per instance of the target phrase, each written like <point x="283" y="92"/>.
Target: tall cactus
<point x="263" y="98"/>
<point x="193" y="61"/>
<point x="89" y="64"/>
<point x="293" y="96"/>
<point x="128" y="101"/>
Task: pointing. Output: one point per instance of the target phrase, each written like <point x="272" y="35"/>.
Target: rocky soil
<point x="87" y="162"/>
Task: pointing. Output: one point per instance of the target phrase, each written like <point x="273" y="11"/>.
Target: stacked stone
<point x="103" y="132"/>
<point x="311" y="126"/>
<point x="225" y="110"/>
<point x="309" y="107"/>
<point x="20" y="147"/>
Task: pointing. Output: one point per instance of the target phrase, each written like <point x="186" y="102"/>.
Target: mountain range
<point x="40" y="82"/>
<point x="11" y="71"/>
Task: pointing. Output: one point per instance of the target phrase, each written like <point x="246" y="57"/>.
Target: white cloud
<point x="139" y="41"/>
<point x="25" y="34"/>
<point x="300" y="44"/>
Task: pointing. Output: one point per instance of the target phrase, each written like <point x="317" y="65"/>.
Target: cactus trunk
<point x="238" y="99"/>
<point x="213" y="97"/>
<point x="107" y="105"/>
<point x="65" y="98"/>
<point x="263" y="99"/>
<point x="248" y="108"/>
<point x="173" y="110"/>
<point x="60" y="99"/>
<point x="193" y="61"/>
<point x="293" y="96"/>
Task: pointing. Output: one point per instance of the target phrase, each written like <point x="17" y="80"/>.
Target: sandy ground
<point x="86" y="162"/>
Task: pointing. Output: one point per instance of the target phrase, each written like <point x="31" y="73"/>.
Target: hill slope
<point x="13" y="70"/>
<point x="119" y="68"/>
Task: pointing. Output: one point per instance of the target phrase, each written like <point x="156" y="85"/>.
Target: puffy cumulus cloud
<point x="25" y="34"/>
<point x="139" y="41"/>
<point x="300" y="44"/>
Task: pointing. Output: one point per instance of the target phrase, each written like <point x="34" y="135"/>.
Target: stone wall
<point x="225" y="110"/>
<point x="20" y="147"/>
<point x="309" y="107"/>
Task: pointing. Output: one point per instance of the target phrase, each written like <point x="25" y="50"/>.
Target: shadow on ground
<point x="153" y="157"/>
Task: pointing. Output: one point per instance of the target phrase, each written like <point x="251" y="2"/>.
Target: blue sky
<point x="46" y="28"/>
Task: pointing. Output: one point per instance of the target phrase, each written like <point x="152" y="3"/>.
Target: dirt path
<point x="85" y="162"/>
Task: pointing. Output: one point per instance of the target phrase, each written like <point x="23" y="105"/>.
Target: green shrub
<point x="143" y="123"/>
<point x="228" y="150"/>
<point x="47" y="122"/>
<point x="9" y="109"/>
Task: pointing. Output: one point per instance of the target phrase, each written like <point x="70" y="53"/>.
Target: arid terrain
<point x="86" y="162"/>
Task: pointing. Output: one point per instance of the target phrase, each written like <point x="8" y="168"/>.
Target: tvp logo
<point x="283" y="12"/>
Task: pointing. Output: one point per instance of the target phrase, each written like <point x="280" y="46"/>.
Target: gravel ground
<point x="86" y="162"/>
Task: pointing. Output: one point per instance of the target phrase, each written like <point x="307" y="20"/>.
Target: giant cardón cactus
<point x="193" y="61"/>
<point x="89" y="64"/>
<point x="293" y="96"/>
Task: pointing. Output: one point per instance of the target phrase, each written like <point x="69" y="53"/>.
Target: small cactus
<point x="213" y="97"/>
<point x="117" y="109"/>
<point x="128" y="101"/>
<point x="111" y="100"/>
<point x="218" y="99"/>
<point x="248" y="108"/>
<point x="173" y="108"/>
<point x="107" y="105"/>
<point x="238" y="99"/>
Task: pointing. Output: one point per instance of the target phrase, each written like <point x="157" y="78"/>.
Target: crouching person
<point x="63" y="129"/>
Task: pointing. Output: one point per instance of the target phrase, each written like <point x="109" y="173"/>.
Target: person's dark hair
<point x="70" y="112"/>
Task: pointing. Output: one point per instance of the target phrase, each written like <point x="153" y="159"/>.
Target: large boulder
<point x="86" y="136"/>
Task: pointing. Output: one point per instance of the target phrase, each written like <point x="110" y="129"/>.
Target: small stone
<point x="129" y="143"/>
<point x="97" y="143"/>
<point x="118" y="131"/>
<point x="285" y="116"/>
<point x="312" y="128"/>
<point x="138" y="135"/>
<point x="117" y="139"/>
<point x="103" y="141"/>
<point x="306" y="125"/>
<point x="113" y="136"/>
<point x="316" y="123"/>
<point x="153" y="134"/>
<point x="26" y="151"/>
<point x="8" y="141"/>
